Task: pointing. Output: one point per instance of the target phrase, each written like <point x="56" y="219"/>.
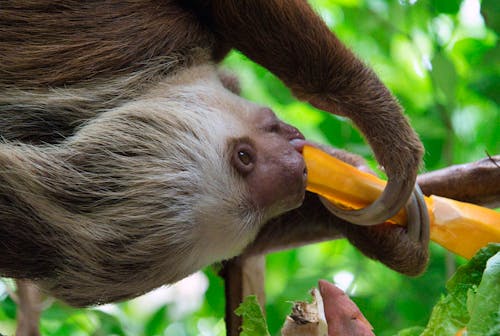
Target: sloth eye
<point x="244" y="157"/>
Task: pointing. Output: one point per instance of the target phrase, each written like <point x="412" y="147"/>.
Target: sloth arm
<point x="312" y="222"/>
<point x="290" y="40"/>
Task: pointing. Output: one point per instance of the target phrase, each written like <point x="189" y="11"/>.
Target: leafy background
<point x="441" y="59"/>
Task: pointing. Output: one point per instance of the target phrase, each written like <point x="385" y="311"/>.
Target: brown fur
<point x="84" y="41"/>
<point x="114" y="169"/>
<point x="80" y="41"/>
<point x="132" y="195"/>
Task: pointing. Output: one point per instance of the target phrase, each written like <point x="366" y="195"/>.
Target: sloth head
<point x="155" y="189"/>
<point x="222" y="166"/>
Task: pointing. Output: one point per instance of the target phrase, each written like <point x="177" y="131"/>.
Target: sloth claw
<point x="393" y="198"/>
<point x="418" y="223"/>
<point x="418" y="217"/>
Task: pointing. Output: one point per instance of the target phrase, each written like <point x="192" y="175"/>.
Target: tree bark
<point x="477" y="182"/>
<point x="243" y="276"/>
<point x="28" y="309"/>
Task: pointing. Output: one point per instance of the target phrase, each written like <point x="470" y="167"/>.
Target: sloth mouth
<point x="298" y="143"/>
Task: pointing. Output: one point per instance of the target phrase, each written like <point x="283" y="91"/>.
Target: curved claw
<point x="418" y="226"/>
<point x="393" y="198"/>
<point x="413" y="218"/>
<point x="418" y="217"/>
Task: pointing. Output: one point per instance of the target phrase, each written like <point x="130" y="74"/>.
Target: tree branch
<point x="477" y="182"/>
<point x="28" y="309"/>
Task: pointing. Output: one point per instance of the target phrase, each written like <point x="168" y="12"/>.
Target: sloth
<point x="146" y="193"/>
<point x="128" y="160"/>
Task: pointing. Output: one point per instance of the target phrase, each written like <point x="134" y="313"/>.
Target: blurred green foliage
<point x="442" y="60"/>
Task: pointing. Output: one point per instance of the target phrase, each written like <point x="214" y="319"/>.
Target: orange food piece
<point x="462" y="228"/>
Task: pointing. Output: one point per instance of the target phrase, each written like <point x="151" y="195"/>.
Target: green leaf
<point x="490" y="9"/>
<point x="471" y="273"/>
<point x="485" y="303"/>
<point x="254" y="322"/>
<point x="414" y="331"/>
<point x="9" y="308"/>
<point x="446" y="6"/>
<point x="445" y="77"/>
<point x="451" y="313"/>
<point x="487" y="86"/>
<point x="109" y="325"/>
<point x="157" y="323"/>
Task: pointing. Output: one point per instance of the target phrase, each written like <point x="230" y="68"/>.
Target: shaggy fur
<point x="133" y="195"/>
<point x="56" y="44"/>
<point x="115" y="163"/>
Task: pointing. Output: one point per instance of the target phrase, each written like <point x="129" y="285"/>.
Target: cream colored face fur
<point x="146" y="193"/>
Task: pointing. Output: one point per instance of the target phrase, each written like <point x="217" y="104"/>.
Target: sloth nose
<point x="294" y="136"/>
<point x="291" y="132"/>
